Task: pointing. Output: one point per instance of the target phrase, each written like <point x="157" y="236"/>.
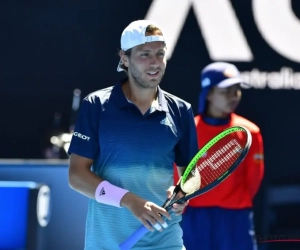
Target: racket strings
<point x="209" y="175"/>
<point x="215" y="162"/>
<point x="219" y="161"/>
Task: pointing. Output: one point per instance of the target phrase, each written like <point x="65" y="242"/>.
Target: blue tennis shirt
<point x="135" y="152"/>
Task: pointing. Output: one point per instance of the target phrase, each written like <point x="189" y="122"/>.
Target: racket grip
<point x="133" y="238"/>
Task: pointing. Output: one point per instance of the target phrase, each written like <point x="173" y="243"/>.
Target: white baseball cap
<point x="135" y="34"/>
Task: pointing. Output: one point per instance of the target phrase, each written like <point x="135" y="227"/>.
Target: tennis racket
<point x="209" y="167"/>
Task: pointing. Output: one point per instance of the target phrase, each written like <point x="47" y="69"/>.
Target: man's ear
<point x="124" y="58"/>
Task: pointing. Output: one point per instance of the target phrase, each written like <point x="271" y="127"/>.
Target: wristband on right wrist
<point x="109" y="194"/>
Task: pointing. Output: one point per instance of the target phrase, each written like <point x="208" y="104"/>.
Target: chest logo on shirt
<point x="166" y="122"/>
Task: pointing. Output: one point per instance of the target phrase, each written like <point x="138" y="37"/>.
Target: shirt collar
<point x="159" y="104"/>
<point x="216" y="121"/>
<point x="162" y="102"/>
<point x="119" y="96"/>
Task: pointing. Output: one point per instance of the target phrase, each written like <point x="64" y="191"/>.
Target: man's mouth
<point x="152" y="73"/>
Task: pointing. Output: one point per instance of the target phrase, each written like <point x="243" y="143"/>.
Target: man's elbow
<point x="72" y="178"/>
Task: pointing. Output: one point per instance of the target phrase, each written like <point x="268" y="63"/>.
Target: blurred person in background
<point x="222" y="219"/>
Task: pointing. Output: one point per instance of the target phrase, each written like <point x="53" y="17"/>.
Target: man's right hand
<point x="145" y="211"/>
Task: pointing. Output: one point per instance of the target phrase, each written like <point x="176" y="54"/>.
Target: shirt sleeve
<point x="85" y="138"/>
<point x="255" y="164"/>
<point x="187" y="147"/>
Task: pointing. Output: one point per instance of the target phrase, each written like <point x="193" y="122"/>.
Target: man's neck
<point x="142" y="98"/>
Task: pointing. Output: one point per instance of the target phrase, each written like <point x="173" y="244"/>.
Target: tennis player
<point x="125" y="141"/>
<point x="222" y="219"/>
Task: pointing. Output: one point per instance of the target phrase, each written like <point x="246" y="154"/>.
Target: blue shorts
<point x="218" y="229"/>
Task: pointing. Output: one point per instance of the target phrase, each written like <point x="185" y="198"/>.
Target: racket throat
<point x="168" y="201"/>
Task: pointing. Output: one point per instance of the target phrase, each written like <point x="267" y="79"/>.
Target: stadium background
<point x="48" y="49"/>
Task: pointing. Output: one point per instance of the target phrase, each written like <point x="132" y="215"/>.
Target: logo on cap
<point x="205" y="82"/>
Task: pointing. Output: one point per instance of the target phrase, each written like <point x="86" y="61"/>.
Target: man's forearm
<point x="84" y="182"/>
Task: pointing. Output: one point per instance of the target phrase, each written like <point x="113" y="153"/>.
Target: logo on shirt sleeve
<point x="259" y="157"/>
<point x="81" y="136"/>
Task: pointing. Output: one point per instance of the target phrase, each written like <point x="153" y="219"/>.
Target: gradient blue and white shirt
<point x="135" y="152"/>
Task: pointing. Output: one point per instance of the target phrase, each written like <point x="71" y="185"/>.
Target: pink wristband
<point x="109" y="194"/>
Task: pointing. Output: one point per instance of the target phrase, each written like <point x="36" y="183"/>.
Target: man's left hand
<point x="177" y="208"/>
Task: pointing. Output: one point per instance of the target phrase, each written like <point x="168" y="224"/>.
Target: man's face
<point x="225" y="100"/>
<point x="147" y="64"/>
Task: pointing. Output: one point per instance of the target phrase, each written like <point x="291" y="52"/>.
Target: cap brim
<point x="232" y="81"/>
<point x="119" y="68"/>
<point x="229" y="82"/>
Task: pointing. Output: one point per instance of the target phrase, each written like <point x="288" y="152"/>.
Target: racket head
<point x="215" y="161"/>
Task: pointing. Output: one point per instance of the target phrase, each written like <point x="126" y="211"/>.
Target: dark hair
<point x="127" y="53"/>
<point x="150" y="30"/>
